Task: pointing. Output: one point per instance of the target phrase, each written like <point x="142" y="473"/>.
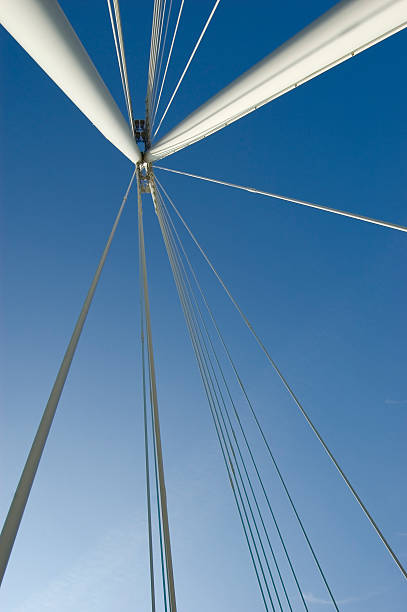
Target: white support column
<point x="41" y="28"/>
<point x="16" y="511"/>
<point x="348" y="28"/>
<point x="156" y="420"/>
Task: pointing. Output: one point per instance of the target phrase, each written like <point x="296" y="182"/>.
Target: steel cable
<point x="342" y="213"/>
<point x="253" y="412"/>
<point x="161" y="57"/>
<point x="292" y="394"/>
<point x="156" y="421"/>
<point x="195" y="306"/>
<point x="168" y="61"/>
<point x="239" y="421"/>
<point x="146" y="445"/>
<point x="213" y="397"/>
<point x="121" y="58"/>
<point x="188" y="64"/>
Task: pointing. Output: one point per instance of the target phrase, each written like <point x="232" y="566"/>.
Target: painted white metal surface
<point x="41" y="28"/>
<point x="348" y="28"/>
<point x="17" y="507"/>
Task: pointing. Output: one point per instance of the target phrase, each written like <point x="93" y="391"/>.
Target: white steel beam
<point x="17" y="507"/>
<point x="42" y="29"/>
<point x="350" y="27"/>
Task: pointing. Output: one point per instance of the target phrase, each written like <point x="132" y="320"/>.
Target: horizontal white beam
<point x="348" y="28"/>
<point x="41" y="28"/>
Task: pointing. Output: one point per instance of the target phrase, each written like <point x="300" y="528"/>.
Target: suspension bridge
<point x="339" y="35"/>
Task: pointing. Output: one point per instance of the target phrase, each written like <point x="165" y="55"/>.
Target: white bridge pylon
<point x="347" y="29"/>
<point x="42" y="29"/>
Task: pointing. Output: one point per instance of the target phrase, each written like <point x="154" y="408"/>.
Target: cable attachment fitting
<point x="144" y="177"/>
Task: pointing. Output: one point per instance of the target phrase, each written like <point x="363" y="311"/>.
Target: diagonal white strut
<point x="17" y="507"/>
<point x="349" y="28"/>
<point x="42" y="29"/>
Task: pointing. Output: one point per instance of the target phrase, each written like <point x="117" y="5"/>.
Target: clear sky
<point x="326" y="294"/>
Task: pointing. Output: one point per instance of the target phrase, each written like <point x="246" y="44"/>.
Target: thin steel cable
<point x="282" y="481"/>
<point x="228" y="464"/>
<point x="157" y="493"/>
<point x="151" y="67"/>
<point x="195" y="306"/>
<point x="212" y="316"/>
<point x="227" y="461"/>
<point x="335" y="211"/>
<point x="236" y="413"/>
<point x="123" y="56"/>
<point x="291" y="392"/>
<point x="155" y="43"/>
<point x="164" y="568"/>
<point x="119" y="59"/>
<point x="259" y="426"/>
<point x="156" y="422"/>
<point x="188" y="308"/>
<point x="154" y="34"/>
<point x="188" y="64"/>
<point x="153" y="75"/>
<point x="216" y="394"/>
<point x="274" y="462"/>
<point x="147" y="461"/>
<point x="161" y="56"/>
<point x="157" y="488"/>
<point x="159" y="37"/>
<point x="158" y="45"/>
<point x="168" y="61"/>
<point x="188" y="316"/>
<point x="17" y="507"/>
<point x="284" y="486"/>
<point x="228" y="468"/>
<point x="160" y="52"/>
<point x="166" y="215"/>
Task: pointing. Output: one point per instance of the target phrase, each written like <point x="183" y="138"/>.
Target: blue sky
<point x="327" y="295"/>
